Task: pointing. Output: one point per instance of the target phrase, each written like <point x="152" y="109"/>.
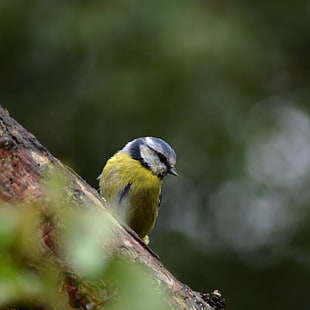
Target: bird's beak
<point x="173" y="171"/>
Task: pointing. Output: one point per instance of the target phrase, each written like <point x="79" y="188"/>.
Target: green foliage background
<point x="225" y="83"/>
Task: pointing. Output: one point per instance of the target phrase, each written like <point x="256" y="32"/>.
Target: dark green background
<point x="225" y="83"/>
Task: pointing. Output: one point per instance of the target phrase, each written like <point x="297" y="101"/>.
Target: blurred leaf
<point x="83" y="234"/>
<point x="137" y="289"/>
<point x="9" y="223"/>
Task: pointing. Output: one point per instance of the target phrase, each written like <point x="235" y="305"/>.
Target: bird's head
<point x="153" y="153"/>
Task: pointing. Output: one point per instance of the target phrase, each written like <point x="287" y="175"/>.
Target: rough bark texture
<point x="25" y="165"/>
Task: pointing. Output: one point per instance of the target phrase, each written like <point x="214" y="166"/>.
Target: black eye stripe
<point x="163" y="159"/>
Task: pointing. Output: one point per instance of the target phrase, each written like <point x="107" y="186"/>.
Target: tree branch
<point x="25" y="168"/>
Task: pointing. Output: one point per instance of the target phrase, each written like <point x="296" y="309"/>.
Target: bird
<point x="131" y="181"/>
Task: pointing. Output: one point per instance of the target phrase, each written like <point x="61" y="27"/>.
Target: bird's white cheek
<point x="146" y="154"/>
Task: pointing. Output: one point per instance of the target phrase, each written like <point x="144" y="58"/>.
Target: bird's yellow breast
<point x="132" y="189"/>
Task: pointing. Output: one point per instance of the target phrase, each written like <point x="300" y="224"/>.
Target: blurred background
<point x="225" y="83"/>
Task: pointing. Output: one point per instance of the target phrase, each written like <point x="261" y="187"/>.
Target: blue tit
<point x="131" y="182"/>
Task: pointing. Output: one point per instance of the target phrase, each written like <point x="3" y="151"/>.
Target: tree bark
<point x="26" y="166"/>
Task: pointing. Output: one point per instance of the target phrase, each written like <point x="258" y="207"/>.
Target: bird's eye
<point x="162" y="157"/>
